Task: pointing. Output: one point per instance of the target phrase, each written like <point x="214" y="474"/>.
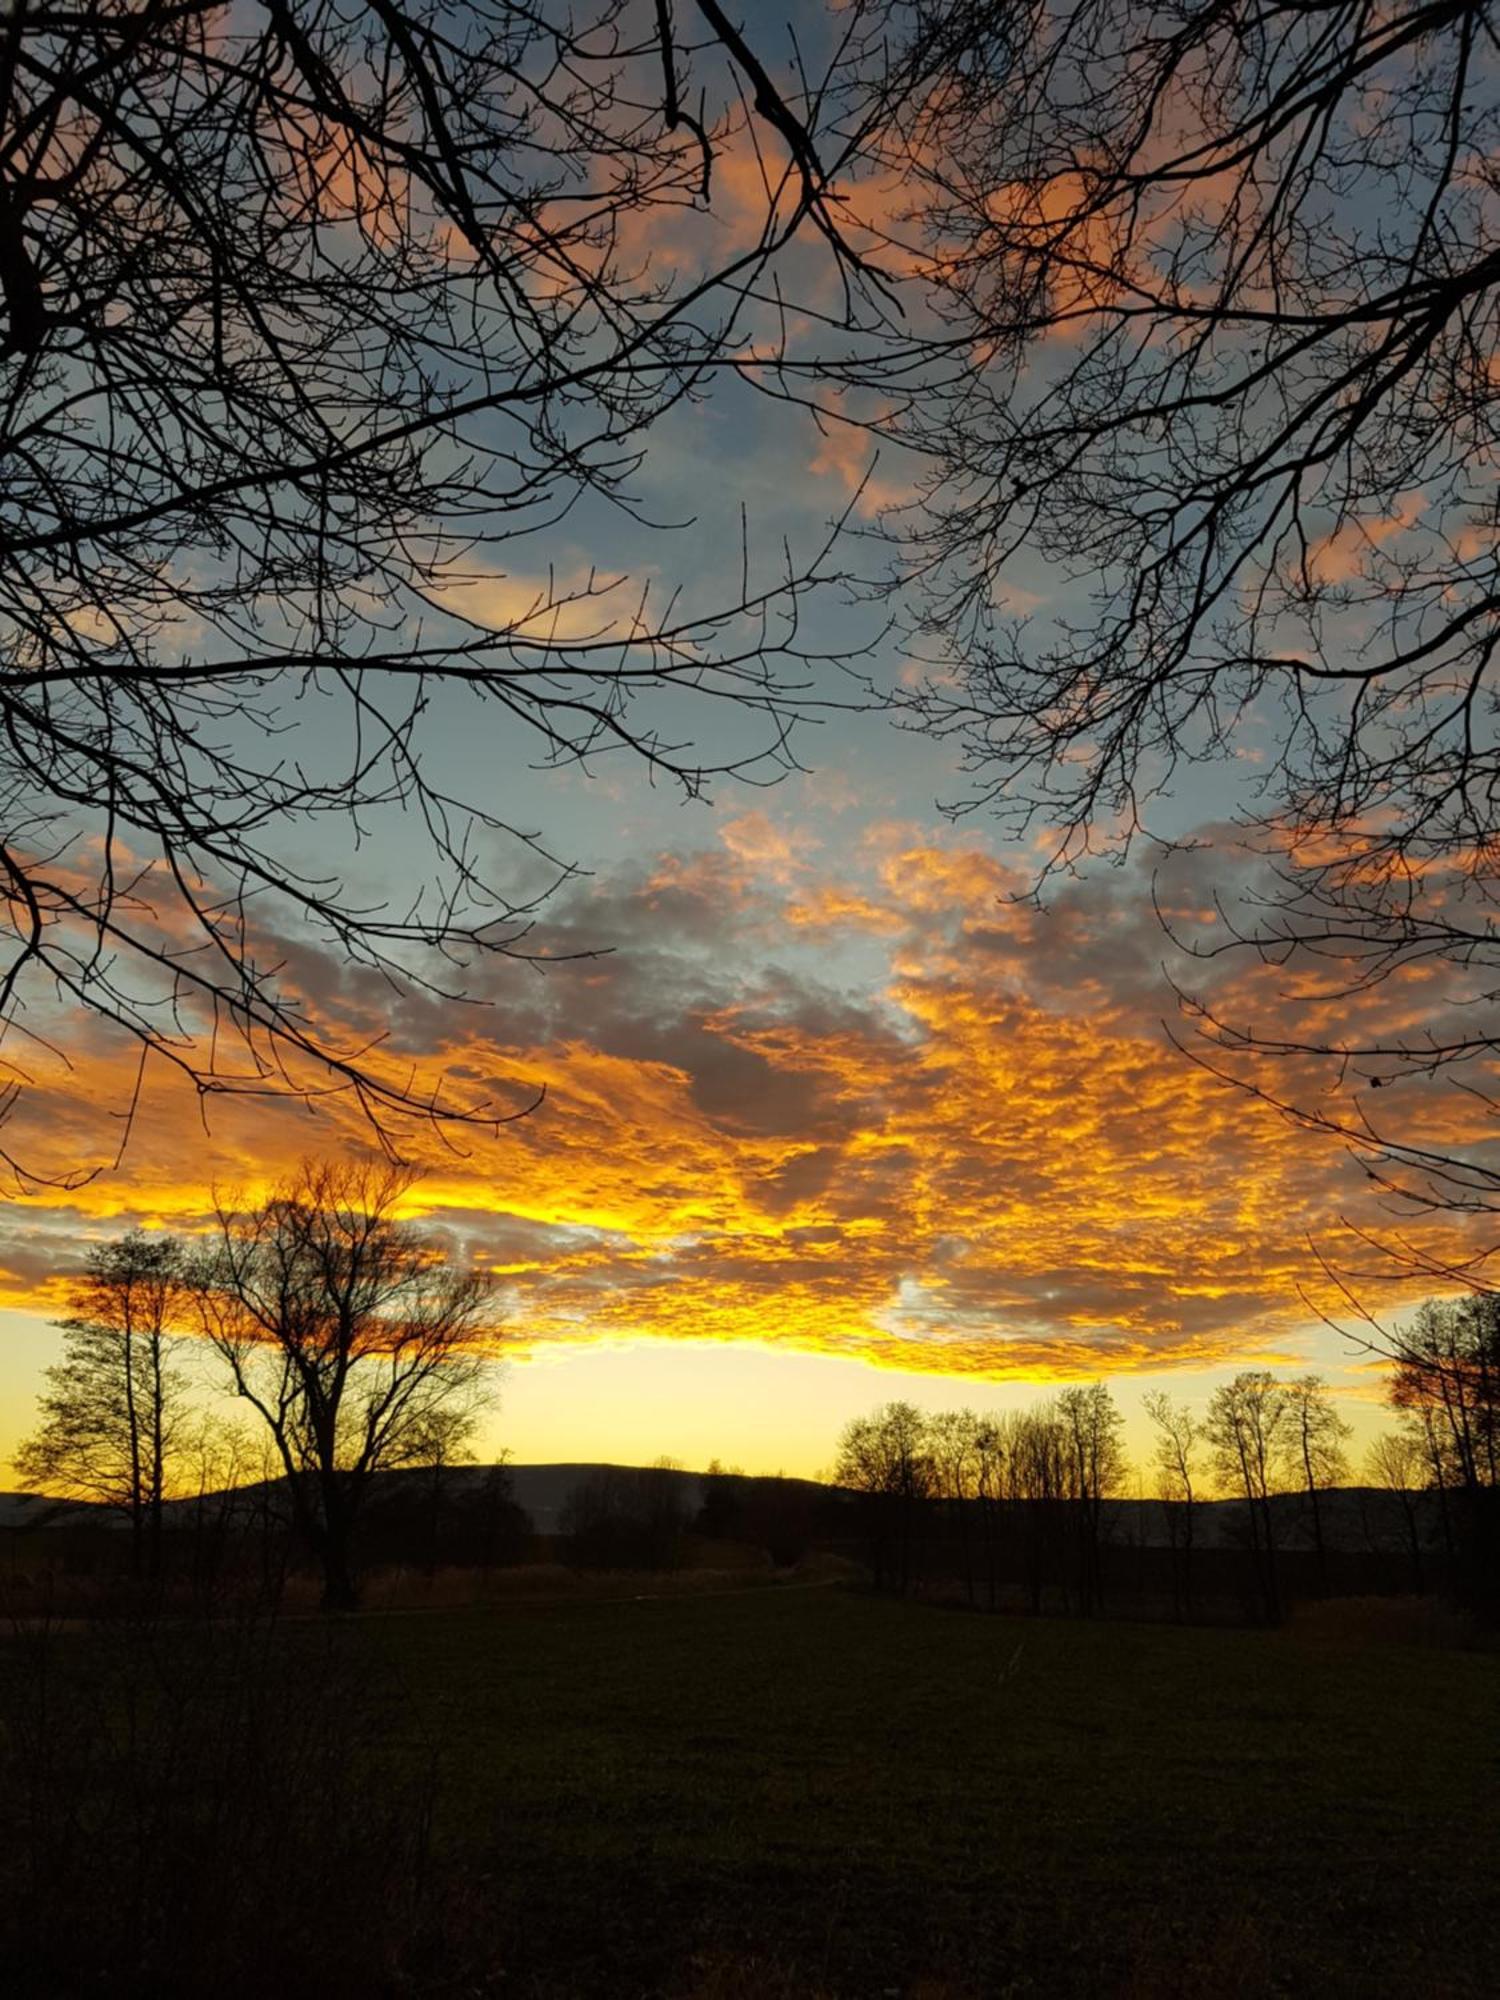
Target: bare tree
<point x="442" y="1445"/>
<point x="313" y="319"/>
<point x="1395" y="1463"/>
<point x="351" y="1336"/>
<point x="1315" y="1455"/>
<point x="1247" y="1430"/>
<point x="955" y="1444"/>
<point x="991" y="1443"/>
<point x="886" y="1459"/>
<point x="1218" y="288"/>
<point x="1179" y="1436"/>
<point x="1450" y="1364"/>
<point x="1091" y="1426"/>
<point x="1446" y="1382"/>
<point x="1038" y="1486"/>
<point x="113" y="1413"/>
<point x="627" y="1516"/>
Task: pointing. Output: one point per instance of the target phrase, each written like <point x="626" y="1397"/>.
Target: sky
<point x="829" y="1118"/>
<point x="832" y="1114"/>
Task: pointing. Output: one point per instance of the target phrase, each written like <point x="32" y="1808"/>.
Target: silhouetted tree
<point x="1247" y="1429"/>
<point x="1091" y="1427"/>
<point x="443" y="1443"/>
<point x="662" y="1491"/>
<point x="1179" y="1435"/>
<point x="885" y="1459"/>
<point x="498" y="1526"/>
<point x="954" y="1444"/>
<point x="352" y="1338"/>
<point x="626" y="1517"/>
<point x="1038" y="1486"/>
<point x="990" y="1450"/>
<point x="112" y="1426"/>
<point x="1446" y="1380"/>
<point x="1315" y="1454"/>
<point x="721" y="1506"/>
<point x="223" y="1507"/>
<point x="314" y="320"/>
<point x="1395" y="1463"/>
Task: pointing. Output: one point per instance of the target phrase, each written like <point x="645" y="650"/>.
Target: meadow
<point x="818" y="1791"/>
<point x="814" y="1791"/>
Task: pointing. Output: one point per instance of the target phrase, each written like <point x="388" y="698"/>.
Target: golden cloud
<point x="988" y="1160"/>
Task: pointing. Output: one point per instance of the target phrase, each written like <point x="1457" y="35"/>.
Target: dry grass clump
<point x="1384" y="1621"/>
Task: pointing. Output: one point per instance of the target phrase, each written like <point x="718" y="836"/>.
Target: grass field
<point x="820" y="1792"/>
<point x="768" y="1792"/>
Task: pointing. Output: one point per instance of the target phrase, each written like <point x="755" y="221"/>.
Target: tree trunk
<point x="340" y="1592"/>
<point x="1272" y="1580"/>
<point x="1310" y="1476"/>
<point x="158" y="1462"/>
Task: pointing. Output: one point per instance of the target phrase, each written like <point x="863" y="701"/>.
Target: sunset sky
<point x="830" y="1118"/>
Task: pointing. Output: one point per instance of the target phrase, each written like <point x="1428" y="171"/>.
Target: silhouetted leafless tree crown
<point x="1213" y="454"/>
<point x="112" y="1423"/>
<point x="1233" y="269"/>
<point x="314" y="315"/>
<point x="354" y="1339"/>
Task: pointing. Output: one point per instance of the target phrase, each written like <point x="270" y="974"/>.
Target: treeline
<point x="1023" y="1505"/>
<point x="1024" y="1497"/>
<point x="626" y="1517"/>
<point x="1014" y="1497"/>
<point x="660" y="1517"/>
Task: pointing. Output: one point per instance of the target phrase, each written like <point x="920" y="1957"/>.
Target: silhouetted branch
<point x="312" y="320"/>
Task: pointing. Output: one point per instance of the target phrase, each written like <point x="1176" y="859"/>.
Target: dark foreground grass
<point x="811" y="1791"/>
<point x="775" y="1792"/>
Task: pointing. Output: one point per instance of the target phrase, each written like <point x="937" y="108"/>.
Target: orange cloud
<point x="849" y="454"/>
<point x="762" y="846"/>
<point x="990" y="1162"/>
<point x="1346" y="554"/>
<point x="829" y="907"/>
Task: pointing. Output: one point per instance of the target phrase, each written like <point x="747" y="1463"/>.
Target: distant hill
<point x="1354" y="1517"/>
<point x="38" y="1510"/>
<point x="542" y="1490"/>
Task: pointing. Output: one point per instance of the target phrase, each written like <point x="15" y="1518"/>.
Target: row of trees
<point x="626" y="1517"/>
<point x="1260" y="1436"/>
<point x="1043" y="1473"/>
<point x="360" y="1347"/>
<point x="1023" y="1496"/>
<point x="1026" y="1492"/>
<point x="354" y="1342"/>
<point x="308" y="323"/>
